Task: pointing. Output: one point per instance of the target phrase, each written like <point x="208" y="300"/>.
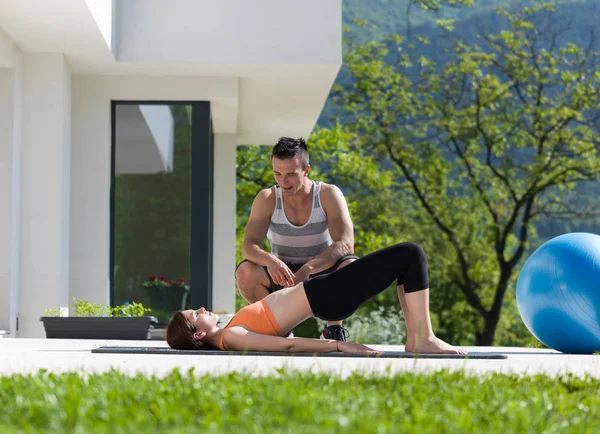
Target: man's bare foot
<point x="432" y="345"/>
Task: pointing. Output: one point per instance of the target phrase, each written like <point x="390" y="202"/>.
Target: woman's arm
<point x="240" y="339"/>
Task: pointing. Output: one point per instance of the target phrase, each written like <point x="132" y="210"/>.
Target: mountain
<point x="577" y="18"/>
<point x="387" y="17"/>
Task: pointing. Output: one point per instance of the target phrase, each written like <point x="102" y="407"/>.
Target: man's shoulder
<point x="266" y="198"/>
<point x="330" y="190"/>
<point x="266" y="193"/>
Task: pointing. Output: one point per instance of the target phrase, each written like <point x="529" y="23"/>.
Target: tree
<point x="484" y="145"/>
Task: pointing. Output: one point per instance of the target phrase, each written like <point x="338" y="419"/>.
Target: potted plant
<point x="171" y="295"/>
<point x="98" y="321"/>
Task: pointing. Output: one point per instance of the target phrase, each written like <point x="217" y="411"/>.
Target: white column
<point x="45" y="189"/>
<point x="224" y="223"/>
<point x="90" y="190"/>
<point x="9" y="196"/>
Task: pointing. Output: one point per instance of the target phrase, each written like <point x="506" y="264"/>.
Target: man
<point x="308" y="226"/>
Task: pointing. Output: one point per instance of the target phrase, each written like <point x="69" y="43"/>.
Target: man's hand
<point x="348" y="347"/>
<point x="280" y="273"/>
<point x="302" y="274"/>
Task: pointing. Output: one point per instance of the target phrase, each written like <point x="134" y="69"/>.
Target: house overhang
<point x="283" y="69"/>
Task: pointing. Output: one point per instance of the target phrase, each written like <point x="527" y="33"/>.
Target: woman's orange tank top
<point x="256" y="317"/>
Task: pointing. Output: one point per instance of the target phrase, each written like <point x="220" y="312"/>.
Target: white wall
<point x="57" y="176"/>
<point x="44" y="192"/>
<point x="281" y="51"/>
<point x="90" y="191"/>
<point x="15" y="278"/>
<point x="229" y="31"/>
<point x="7" y="113"/>
<point x="10" y="182"/>
<point x="10" y="56"/>
<point x="90" y="176"/>
<point x="102" y="12"/>
<point x="224" y="223"/>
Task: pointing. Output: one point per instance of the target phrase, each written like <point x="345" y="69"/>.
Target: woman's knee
<point x="416" y="252"/>
<point x="418" y="277"/>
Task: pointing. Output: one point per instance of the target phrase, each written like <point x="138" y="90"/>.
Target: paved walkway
<point x="57" y="355"/>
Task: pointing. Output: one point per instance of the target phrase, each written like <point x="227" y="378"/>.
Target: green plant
<point x="83" y="308"/>
<point x="52" y="312"/>
<point x="132" y="309"/>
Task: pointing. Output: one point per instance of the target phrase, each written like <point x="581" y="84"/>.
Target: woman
<point x="335" y="296"/>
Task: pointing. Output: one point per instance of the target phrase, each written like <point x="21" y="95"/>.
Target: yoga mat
<point x="385" y="355"/>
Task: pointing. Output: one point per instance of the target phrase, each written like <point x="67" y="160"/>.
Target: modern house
<point x="86" y="88"/>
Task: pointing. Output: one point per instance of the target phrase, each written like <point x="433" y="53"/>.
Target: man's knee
<point x="248" y="277"/>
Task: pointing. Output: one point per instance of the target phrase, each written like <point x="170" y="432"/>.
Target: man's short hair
<point x="288" y="148"/>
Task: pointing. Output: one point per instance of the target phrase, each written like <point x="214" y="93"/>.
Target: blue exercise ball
<point x="558" y="293"/>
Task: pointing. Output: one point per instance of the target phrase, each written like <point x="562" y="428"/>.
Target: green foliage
<point x="480" y="147"/>
<point x="511" y="330"/>
<point x="298" y="402"/>
<point x="383" y="325"/>
<point x="52" y="312"/>
<point x="87" y="309"/>
<point x="131" y="309"/>
<point x="83" y="308"/>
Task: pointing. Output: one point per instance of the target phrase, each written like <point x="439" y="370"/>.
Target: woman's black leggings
<point x="337" y="295"/>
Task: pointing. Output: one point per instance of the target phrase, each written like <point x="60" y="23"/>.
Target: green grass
<point x="299" y="402"/>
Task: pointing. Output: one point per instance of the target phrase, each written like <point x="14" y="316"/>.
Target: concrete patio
<point x="23" y="356"/>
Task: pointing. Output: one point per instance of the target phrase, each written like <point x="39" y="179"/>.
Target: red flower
<point x="181" y="279"/>
<point x="152" y="278"/>
<point x="162" y="278"/>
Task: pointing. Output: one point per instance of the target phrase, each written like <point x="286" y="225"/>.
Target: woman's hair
<point x="180" y="334"/>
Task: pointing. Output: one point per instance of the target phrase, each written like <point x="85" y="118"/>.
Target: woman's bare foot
<point x="432" y="345"/>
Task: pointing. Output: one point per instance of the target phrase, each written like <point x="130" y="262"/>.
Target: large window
<point x="155" y="207"/>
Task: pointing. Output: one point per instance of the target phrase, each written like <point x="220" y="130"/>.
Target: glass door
<point x="152" y="207"/>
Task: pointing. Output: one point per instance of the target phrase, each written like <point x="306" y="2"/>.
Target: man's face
<point x="289" y="175"/>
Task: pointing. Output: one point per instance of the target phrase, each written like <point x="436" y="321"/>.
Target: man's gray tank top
<point x="299" y="244"/>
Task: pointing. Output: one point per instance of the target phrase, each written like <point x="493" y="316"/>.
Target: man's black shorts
<point x="296" y="267"/>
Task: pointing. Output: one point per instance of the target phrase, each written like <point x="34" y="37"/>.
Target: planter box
<point x="74" y="327"/>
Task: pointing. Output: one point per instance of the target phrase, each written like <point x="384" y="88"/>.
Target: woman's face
<point x="202" y="319"/>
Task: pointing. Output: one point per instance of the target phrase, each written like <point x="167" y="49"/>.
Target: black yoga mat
<point x="385" y="355"/>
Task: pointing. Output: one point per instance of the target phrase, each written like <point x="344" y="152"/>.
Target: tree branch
<point x="467" y="286"/>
